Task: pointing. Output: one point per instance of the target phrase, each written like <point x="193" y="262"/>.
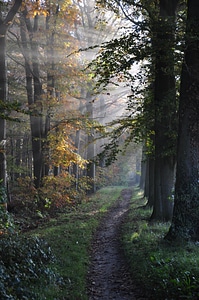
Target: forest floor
<point x="109" y="277"/>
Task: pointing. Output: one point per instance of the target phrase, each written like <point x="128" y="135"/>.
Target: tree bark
<point x="91" y="148"/>
<point x="151" y="172"/>
<point x="185" y="222"/>
<point x="34" y="92"/>
<point x="146" y="183"/>
<point x="165" y="111"/>
<point x="4" y="25"/>
<point x="143" y="169"/>
<point x="3" y="98"/>
<point x="50" y="89"/>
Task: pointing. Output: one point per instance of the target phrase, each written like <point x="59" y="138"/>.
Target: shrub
<point x="56" y="191"/>
<point x="23" y="262"/>
<point x="24" y="197"/>
<point x="6" y="221"/>
<point x="60" y="191"/>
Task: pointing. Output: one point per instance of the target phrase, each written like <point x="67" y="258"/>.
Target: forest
<point x="98" y="103"/>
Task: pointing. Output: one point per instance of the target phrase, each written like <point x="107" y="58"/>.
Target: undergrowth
<point x="166" y="271"/>
<point x="23" y="262"/>
<point x="69" y="236"/>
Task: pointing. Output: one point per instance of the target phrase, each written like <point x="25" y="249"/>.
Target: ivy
<point x="23" y="262"/>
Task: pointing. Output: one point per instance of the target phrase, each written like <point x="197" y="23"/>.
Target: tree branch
<point x="12" y="12"/>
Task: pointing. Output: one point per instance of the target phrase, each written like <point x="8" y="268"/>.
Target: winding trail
<point x="109" y="277"/>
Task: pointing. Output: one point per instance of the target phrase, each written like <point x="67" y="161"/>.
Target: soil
<point x="109" y="277"/>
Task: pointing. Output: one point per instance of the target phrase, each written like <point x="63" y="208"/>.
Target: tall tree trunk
<point x="91" y="146"/>
<point x="18" y="156"/>
<point x="50" y="88"/>
<point x="75" y="166"/>
<point x="146" y="183"/>
<point x="165" y="111"/>
<point x="143" y="169"/>
<point x="37" y="121"/>
<point x="185" y="222"/>
<point x="3" y="98"/>
<point x="138" y="169"/>
<point x="4" y="25"/>
<point x="34" y="92"/>
<point x="151" y="172"/>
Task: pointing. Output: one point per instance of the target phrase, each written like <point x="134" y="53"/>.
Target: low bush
<point x="7" y="224"/>
<point x="23" y="262"/>
<point x="55" y="194"/>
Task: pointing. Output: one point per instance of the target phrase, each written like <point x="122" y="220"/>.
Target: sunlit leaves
<point x="34" y="8"/>
<point x="62" y="149"/>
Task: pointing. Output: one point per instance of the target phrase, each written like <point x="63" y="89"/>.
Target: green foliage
<point x="6" y="110"/>
<point x="110" y="152"/>
<point x="163" y="270"/>
<point x="137" y="46"/>
<point x="70" y="236"/>
<point x="176" y="275"/>
<point x="3" y="195"/>
<point x="23" y="262"/>
<point x="6" y="221"/>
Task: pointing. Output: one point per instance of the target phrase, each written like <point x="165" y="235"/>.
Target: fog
<point x="66" y="42"/>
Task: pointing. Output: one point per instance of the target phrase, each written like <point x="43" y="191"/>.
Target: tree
<point x="163" y="43"/>
<point x="94" y="28"/>
<point x="151" y="115"/>
<point x="185" y="222"/>
<point x="34" y="89"/>
<point x="45" y="21"/>
<point x="5" y="21"/>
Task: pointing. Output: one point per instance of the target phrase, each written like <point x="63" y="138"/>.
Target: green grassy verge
<point x="69" y="237"/>
<point x="163" y="270"/>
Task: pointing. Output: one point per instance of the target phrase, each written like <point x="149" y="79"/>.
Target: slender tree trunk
<point x="37" y="121"/>
<point x="91" y="147"/>
<point x="76" y="167"/>
<point x="185" y="222"/>
<point x="34" y="92"/>
<point x="3" y="98"/>
<point x="50" y="88"/>
<point x="18" y="156"/>
<point x="4" y="25"/>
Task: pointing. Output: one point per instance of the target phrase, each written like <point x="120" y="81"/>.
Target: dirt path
<point x="109" y="277"/>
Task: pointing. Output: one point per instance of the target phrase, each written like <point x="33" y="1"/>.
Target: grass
<point x="69" y="237"/>
<point x="163" y="270"/>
